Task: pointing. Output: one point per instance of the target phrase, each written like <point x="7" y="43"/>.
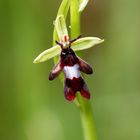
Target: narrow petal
<point x="47" y="54"/>
<point x="85" y="43"/>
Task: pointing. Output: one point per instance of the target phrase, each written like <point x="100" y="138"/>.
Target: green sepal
<point x="60" y="26"/>
<point x="48" y="54"/>
<point x="80" y="44"/>
<point x="86" y="43"/>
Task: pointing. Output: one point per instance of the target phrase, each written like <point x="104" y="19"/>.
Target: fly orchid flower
<point x="69" y="62"/>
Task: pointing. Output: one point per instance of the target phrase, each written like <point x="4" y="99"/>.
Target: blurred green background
<point x="33" y="108"/>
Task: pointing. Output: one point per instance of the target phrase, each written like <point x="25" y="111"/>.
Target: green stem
<point x="87" y="119"/>
<point x="85" y="106"/>
<point x="75" y="18"/>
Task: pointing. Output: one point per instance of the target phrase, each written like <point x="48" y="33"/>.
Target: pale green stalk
<point x="75" y="18"/>
<point x="84" y="105"/>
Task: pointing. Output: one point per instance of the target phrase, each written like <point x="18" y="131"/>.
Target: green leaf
<point x="48" y="54"/>
<point x="60" y="26"/>
<point x="85" y="43"/>
<point x="83" y="4"/>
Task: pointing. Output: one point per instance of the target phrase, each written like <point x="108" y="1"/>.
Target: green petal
<point x="47" y="54"/>
<point x="83" y="4"/>
<point x="85" y="43"/>
<point x="60" y="26"/>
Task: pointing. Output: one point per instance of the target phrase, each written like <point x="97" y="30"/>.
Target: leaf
<point x="85" y="43"/>
<point x="48" y="54"/>
<point x="83" y="4"/>
<point x="60" y="26"/>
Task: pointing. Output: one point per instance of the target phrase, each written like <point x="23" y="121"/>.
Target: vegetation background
<point x="33" y="108"/>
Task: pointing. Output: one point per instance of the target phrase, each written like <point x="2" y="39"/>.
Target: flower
<point x="80" y="43"/>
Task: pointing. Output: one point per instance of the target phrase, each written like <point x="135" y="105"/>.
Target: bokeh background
<point x="33" y="108"/>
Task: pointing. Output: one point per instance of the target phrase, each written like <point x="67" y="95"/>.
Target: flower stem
<point x="75" y="18"/>
<point x="85" y="106"/>
<point x="87" y="119"/>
